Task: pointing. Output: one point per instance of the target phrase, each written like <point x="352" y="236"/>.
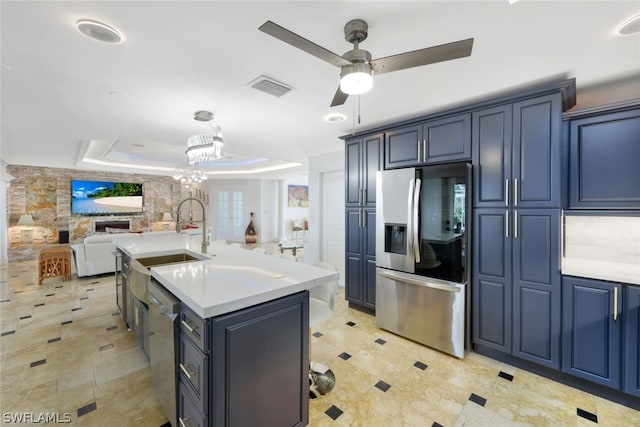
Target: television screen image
<point x="105" y="198"/>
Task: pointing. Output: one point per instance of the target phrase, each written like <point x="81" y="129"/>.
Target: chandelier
<point x="189" y="174"/>
<point x="205" y="147"/>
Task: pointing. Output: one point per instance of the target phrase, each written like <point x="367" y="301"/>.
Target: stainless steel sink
<point x="166" y="259"/>
<point x="141" y="276"/>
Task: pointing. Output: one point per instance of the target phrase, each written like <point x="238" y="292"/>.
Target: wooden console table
<point x="54" y="261"/>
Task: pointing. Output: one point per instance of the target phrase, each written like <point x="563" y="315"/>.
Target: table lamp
<point x="26" y="221"/>
<point x="166" y="217"/>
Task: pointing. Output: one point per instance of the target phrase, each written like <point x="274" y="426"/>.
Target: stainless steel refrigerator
<point x="422" y="254"/>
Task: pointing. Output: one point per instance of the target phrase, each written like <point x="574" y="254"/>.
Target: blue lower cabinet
<point x="536" y="286"/>
<point x="491" y="282"/>
<point x="516" y="283"/>
<point x="257" y="354"/>
<point x="592" y="330"/>
<point x="632" y="341"/>
<point x="360" y="261"/>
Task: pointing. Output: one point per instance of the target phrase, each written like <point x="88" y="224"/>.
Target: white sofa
<point x="95" y="255"/>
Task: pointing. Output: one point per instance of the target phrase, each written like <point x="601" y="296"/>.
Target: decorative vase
<point x="250" y="235"/>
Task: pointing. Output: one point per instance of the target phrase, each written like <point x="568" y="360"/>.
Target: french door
<point x="229" y="215"/>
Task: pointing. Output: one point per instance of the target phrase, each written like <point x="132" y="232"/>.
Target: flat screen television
<point x="106" y="198"/>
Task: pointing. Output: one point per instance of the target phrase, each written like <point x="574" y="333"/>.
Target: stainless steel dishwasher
<point x="164" y="309"/>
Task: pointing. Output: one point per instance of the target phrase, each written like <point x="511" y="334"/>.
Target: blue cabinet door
<point x="537" y="135"/>
<point x="492" y="136"/>
<point x="632" y="340"/>
<point x="353" y="278"/>
<point x="371" y="163"/>
<point x="353" y="172"/>
<point x="403" y="147"/>
<point x="369" y="265"/>
<point x="447" y="140"/>
<point x="604" y="157"/>
<point x="261" y="354"/>
<point x="536" y="286"/>
<point x="491" y="283"/>
<point x="353" y="261"/>
<point x="360" y="265"/>
<point x="591" y="330"/>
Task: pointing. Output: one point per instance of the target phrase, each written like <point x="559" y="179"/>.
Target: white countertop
<point x="603" y="270"/>
<point x="230" y="279"/>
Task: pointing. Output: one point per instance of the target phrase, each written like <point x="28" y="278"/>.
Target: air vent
<point x="268" y="85"/>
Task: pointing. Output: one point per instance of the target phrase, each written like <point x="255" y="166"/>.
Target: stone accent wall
<point x="45" y="193"/>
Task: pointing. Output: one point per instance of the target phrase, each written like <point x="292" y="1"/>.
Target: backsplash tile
<point x="602" y="247"/>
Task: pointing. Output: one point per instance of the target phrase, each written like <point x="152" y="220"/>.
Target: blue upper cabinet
<point x="353" y="172"/>
<point x="604" y="161"/>
<point x="517" y="154"/>
<point x="492" y="136"/>
<point x="430" y="142"/>
<point x="402" y="147"/>
<point x="363" y="158"/>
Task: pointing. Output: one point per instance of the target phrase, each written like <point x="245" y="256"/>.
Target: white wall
<point x="267" y="217"/>
<point x="318" y="165"/>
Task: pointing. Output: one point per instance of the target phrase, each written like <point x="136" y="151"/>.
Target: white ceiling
<point x="67" y="99"/>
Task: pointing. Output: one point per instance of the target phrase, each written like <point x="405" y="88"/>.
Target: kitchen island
<point x="242" y="346"/>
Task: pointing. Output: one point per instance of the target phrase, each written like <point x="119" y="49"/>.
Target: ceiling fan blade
<point x="339" y="98"/>
<point x="295" y="40"/>
<point x="429" y="55"/>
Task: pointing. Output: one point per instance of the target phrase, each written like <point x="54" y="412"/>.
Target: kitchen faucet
<point x="205" y="240"/>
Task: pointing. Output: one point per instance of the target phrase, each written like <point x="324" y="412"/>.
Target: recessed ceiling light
<point x="99" y="31"/>
<point x="334" y="117"/>
<point x="630" y="26"/>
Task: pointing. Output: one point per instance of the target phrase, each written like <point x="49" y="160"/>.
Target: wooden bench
<point x="54" y="261"/>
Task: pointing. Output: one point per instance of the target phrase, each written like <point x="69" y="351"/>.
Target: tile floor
<point x="65" y="351"/>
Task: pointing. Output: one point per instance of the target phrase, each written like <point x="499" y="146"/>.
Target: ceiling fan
<point x="357" y="67"/>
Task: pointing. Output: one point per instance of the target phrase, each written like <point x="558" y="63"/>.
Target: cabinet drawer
<point x="188" y="413"/>
<point x="193" y="326"/>
<point x="193" y="370"/>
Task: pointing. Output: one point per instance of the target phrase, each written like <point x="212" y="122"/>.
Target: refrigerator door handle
<point x="409" y="220"/>
<point x="416" y="202"/>
<point x="402" y="278"/>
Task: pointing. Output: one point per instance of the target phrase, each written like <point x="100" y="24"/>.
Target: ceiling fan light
<point x="356" y="79"/>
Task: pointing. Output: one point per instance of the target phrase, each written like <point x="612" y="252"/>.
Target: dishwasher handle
<point x="402" y="278"/>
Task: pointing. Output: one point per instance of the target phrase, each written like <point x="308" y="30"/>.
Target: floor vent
<point x="268" y="85"/>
